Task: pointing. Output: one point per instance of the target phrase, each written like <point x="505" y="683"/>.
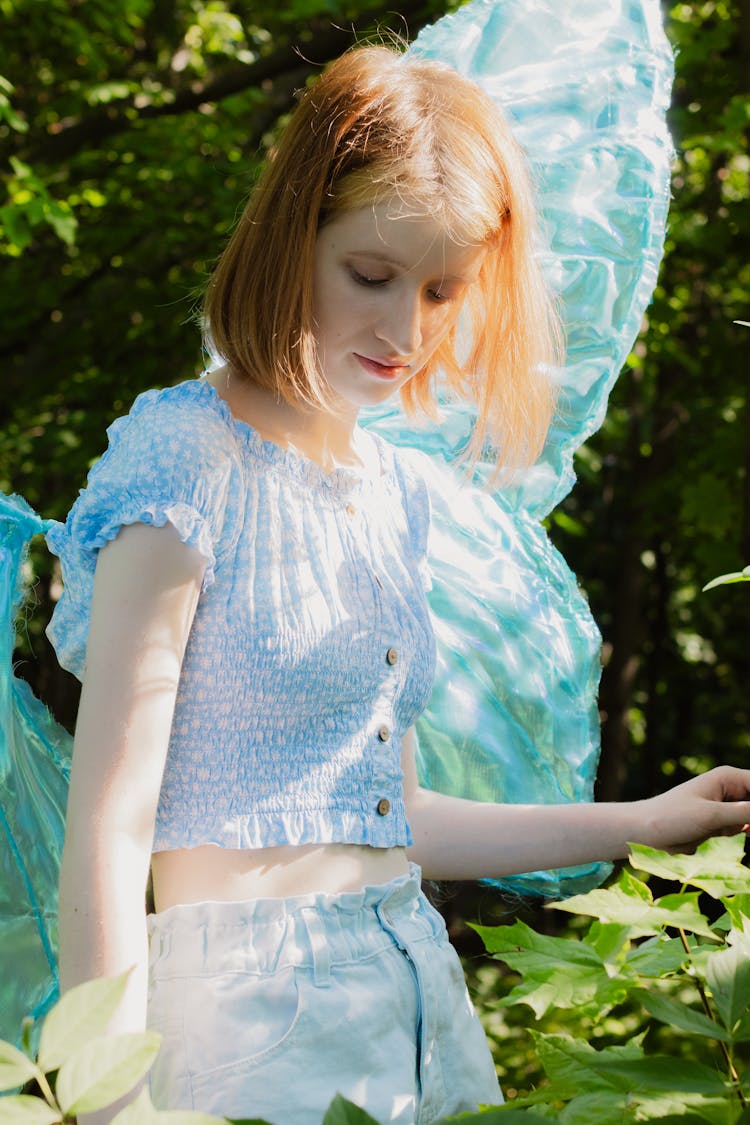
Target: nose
<point x="400" y="326"/>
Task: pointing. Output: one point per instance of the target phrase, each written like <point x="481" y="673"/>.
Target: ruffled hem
<point x="290" y="827"/>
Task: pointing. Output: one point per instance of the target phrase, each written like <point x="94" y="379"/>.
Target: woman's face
<point x="388" y="287"/>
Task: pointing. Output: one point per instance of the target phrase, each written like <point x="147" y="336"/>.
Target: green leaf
<point x="656" y="957"/>
<point x="342" y="1112"/>
<point x="500" y="1115"/>
<point x="142" y="1111"/>
<point x="716" y="866"/>
<point x="64" y="224"/>
<point x="101" y="1072"/>
<point x="593" y="1109"/>
<point x="742" y="1030"/>
<point x="557" y="972"/>
<point x="675" y="1014"/>
<point x="24" y="1110"/>
<point x="738" y="913"/>
<point x="608" y="939"/>
<point x="683" y="911"/>
<point x="13" y="219"/>
<point x="684" y="1119"/>
<point x="80" y="1016"/>
<point x="727" y="974"/>
<point x="574" y="1065"/>
<point x="625" y="904"/>
<point x="15" y="1067"/>
<point x="519" y="938"/>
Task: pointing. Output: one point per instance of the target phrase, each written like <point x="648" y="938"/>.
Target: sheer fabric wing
<point x="34" y="769"/>
<point x="513" y="716"/>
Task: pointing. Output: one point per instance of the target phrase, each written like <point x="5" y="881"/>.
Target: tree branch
<point x="122" y="114"/>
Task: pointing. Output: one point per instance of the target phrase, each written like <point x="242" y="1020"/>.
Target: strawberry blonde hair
<point x="380" y="125"/>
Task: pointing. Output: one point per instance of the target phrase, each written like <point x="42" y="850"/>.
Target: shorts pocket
<point x="236" y="1020"/>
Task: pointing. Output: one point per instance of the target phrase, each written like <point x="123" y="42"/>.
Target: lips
<point x="382" y="369"/>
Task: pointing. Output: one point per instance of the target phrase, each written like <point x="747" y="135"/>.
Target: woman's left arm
<point x="460" y="839"/>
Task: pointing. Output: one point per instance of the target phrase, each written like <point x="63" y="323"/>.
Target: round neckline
<point x="296" y="464"/>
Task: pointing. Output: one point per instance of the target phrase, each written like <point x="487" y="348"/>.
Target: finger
<point x="732" y="815"/>
<point x="735" y="783"/>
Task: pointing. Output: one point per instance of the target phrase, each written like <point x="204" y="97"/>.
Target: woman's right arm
<point x="146" y="591"/>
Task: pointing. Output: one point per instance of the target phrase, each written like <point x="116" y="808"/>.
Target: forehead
<point x="404" y="235"/>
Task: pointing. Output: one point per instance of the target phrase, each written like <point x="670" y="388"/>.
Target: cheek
<point x="439" y="327"/>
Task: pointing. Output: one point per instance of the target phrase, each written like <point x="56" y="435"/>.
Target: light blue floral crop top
<point x="311" y="651"/>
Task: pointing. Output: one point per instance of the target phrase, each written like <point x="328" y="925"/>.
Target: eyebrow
<point x="380" y="256"/>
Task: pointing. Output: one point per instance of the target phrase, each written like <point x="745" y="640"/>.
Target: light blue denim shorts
<point x="268" y="1008"/>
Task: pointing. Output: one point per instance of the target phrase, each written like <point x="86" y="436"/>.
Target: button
<point x="384" y="734"/>
<point x="392" y="656"/>
<point x="384" y="806"/>
<point x="350" y="510"/>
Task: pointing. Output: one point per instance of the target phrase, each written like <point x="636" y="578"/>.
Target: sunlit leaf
<point x="15" y="1067"/>
<point x="716" y="866"/>
<point x="727" y="973"/>
<point x="557" y="972"/>
<point x="25" y="1110"/>
<point x="624" y="904"/>
<point x="80" y="1016"/>
<point x="103" y="1071"/>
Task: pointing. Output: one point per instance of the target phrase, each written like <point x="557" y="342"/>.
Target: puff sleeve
<point x="168" y="461"/>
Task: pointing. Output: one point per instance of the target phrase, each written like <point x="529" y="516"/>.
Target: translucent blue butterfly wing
<point x="513" y="716"/>
<point x="34" y="769"/>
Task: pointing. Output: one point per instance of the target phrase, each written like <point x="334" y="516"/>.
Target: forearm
<point x="460" y="839"/>
<point x="457" y="839"/>
<point x="102" y="921"/>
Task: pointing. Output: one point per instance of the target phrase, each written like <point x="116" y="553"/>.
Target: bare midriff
<point x="213" y="874"/>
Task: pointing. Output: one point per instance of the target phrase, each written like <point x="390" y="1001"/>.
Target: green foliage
<point x="684" y="972"/>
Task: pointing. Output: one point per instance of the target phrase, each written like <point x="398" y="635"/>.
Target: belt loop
<point x="319" y="945"/>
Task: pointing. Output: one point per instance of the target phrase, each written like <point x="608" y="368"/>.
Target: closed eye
<point x="366" y="279"/>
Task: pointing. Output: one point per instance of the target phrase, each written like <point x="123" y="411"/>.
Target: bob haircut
<point x="380" y="125"/>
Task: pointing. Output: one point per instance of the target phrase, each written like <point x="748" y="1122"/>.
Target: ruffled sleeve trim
<point x="190" y="525"/>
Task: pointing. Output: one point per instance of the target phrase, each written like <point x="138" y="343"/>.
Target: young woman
<point x="244" y="602"/>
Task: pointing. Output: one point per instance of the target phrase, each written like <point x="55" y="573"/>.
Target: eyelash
<point x="374" y="282"/>
<point x="363" y="279"/>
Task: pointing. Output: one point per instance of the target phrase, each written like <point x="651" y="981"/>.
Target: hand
<point x="715" y="804"/>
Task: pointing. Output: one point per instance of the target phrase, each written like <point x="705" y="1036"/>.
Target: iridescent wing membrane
<point x="513" y="716"/>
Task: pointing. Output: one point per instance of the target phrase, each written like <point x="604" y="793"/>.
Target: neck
<point x="323" y="436"/>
